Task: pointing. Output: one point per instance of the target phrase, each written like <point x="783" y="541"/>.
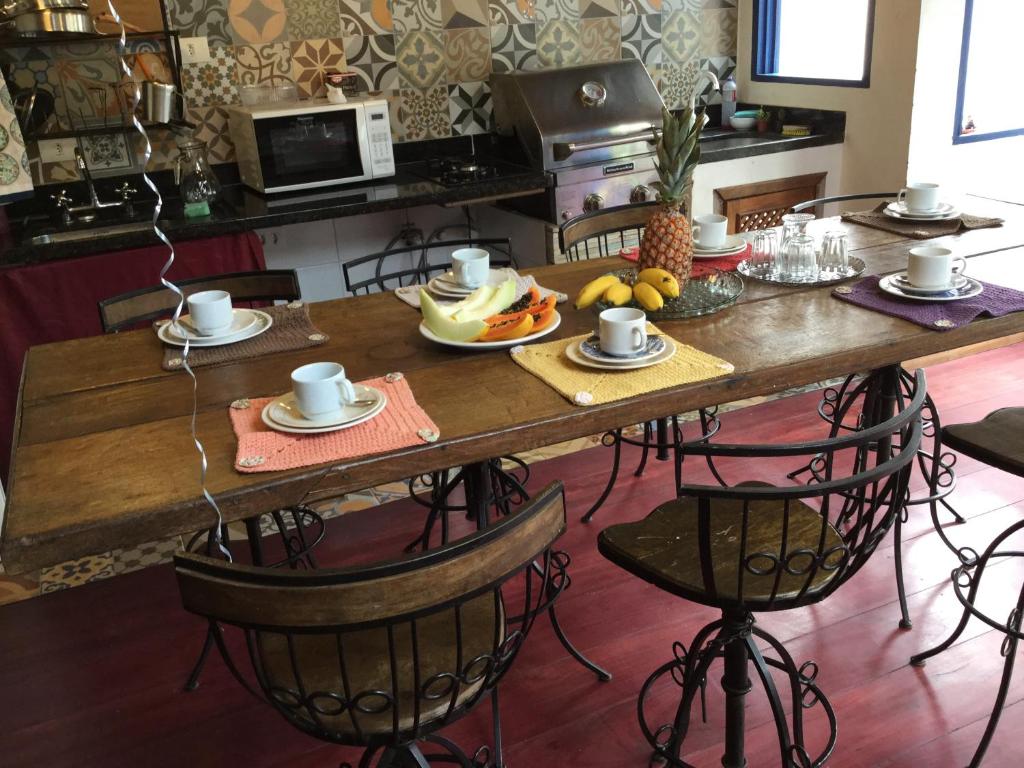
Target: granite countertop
<point x="239" y="209"/>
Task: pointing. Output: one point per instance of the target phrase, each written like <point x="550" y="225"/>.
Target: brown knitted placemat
<point x="919" y="230"/>
<point x="292" y="329"/>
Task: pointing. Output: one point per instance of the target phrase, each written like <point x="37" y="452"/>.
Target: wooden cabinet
<point x="763" y="203"/>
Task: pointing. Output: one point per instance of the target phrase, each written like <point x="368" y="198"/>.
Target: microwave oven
<point x="285" y="146"/>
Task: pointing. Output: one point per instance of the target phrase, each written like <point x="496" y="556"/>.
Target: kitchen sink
<point x="89" y="233"/>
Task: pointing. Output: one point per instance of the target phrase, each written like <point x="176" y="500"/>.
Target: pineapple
<point x="667" y="243"/>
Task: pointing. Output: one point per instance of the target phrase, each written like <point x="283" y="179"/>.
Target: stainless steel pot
<point x="11" y="8"/>
<point x="60" y="21"/>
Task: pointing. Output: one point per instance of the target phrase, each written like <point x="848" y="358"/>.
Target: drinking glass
<point x="764" y="251"/>
<point x="835" y="254"/>
<point x="795" y="224"/>
<point x="799" y="262"/>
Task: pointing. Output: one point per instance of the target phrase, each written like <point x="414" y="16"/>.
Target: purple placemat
<point x="994" y="301"/>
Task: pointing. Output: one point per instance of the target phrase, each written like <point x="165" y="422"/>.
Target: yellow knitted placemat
<point x="590" y="386"/>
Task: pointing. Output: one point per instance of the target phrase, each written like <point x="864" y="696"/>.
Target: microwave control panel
<point x="378" y="131"/>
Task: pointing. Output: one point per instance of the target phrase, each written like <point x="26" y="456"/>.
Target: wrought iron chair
<point x="300" y="528"/>
<point x="754" y="547"/>
<point x="598" y="235"/>
<point x="128" y="310"/>
<point x="367" y="657"/>
<point x="934" y="463"/>
<point x="808" y="204"/>
<point x="997" y="440"/>
<point x="412" y="264"/>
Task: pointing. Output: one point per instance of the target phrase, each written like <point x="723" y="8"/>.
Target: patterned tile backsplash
<point x="430" y="58"/>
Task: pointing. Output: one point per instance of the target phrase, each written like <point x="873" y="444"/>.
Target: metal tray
<point x="700" y="295"/>
<point x="856" y="266"/>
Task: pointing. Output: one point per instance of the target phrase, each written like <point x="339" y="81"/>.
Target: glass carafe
<point x="195" y="177"/>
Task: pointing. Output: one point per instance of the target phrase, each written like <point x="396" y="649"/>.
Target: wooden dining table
<point x="103" y="457"/>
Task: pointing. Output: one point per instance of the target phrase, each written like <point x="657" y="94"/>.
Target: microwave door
<point x="299" y="150"/>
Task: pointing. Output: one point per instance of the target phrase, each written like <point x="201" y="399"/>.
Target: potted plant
<point x="764" y="119"/>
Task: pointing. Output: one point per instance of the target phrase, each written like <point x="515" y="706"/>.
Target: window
<point x="823" y="42"/>
<point x="991" y="60"/>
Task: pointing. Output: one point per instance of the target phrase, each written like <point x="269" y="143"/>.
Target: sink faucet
<point x="704" y="74"/>
<point x="65" y="205"/>
<point x="96" y="203"/>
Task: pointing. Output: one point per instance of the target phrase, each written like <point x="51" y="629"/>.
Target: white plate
<point x="900" y="281"/>
<point x="732" y="243"/>
<point x="261" y="322"/>
<point x="284" y="410"/>
<point x="447" y="284"/>
<point x="943" y="215"/>
<point x="482" y="345"/>
<point x="572" y="351"/>
<point x="241" y="320"/>
<point x="366" y="416"/>
<point x="901" y="209"/>
<point x="720" y="254"/>
<point x="969" y="290"/>
<point x="591" y="349"/>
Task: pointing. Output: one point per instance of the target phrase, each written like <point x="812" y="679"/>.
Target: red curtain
<point x="55" y="301"/>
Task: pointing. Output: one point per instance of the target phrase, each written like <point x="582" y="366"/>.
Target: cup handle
<point x="962" y="262"/>
<point x="695" y="232"/>
<point x="346" y="390"/>
<point x="900" y="197"/>
<point x="641" y="337"/>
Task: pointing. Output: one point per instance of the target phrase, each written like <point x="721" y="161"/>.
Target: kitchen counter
<point x="31" y="236"/>
<point x="240" y="209"/>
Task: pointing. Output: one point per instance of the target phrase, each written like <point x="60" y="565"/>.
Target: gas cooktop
<point x="458" y="171"/>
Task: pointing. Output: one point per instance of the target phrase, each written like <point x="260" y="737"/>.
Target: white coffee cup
<point x="919" y="196"/>
<point x="471" y="266"/>
<point x="709" y="230"/>
<point x="622" y="331"/>
<point x="210" y="312"/>
<point x="321" y="389"/>
<point x="932" y="266"/>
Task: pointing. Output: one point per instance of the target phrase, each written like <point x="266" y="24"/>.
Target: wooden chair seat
<point x="998" y="439"/>
<point x="368" y="670"/>
<point x="663" y="549"/>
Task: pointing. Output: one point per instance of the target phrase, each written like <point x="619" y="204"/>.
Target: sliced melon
<point x="503" y="296"/>
<point x="445" y="327"/>
<point x="476" y="299"/>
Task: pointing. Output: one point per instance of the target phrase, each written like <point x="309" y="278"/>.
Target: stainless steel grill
<point x="593" y="127"/>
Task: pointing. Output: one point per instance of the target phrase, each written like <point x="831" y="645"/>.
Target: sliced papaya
<point x="543" y="319"/>
<point x="509" y="329"/>
<point x="519" y="307"/>
<point x="532" y="308"/>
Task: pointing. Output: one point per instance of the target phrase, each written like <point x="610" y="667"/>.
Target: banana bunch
<point x="651" y="286"/>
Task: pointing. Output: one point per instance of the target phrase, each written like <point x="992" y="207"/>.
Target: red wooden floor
<point x="92" y="676"/>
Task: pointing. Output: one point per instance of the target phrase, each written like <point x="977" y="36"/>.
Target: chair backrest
<point x="764" y="547"/>
<point x="412" y="264"/>
<point x="130" y="309"/>
<point x="386" y="652"/>
<point x="839" y="199"/>
<point x="604" y="232"/>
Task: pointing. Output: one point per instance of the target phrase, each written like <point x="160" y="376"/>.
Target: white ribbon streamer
<point x="216" y="532"/>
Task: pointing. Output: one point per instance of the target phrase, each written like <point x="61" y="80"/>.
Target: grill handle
<point x="562" y="150"/>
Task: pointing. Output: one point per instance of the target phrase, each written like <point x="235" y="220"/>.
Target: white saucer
<point x="900" y="211"/>
<point x="446" y="284"/>
<point x="282" y="414"/>
<point x="241" y="320"/>
<point x="719" y="254"/>
<point x="482" y="345"/>
<point x="572" y="351"/>
<point x="900" y="281"/>
<point x="970" y="289"/>
<point x="590" y="348"/>
<point x="733" y="244"/>
<point x="254" y="323"/>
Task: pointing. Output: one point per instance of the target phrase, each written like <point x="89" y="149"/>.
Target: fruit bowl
<point x="699" y="296"/>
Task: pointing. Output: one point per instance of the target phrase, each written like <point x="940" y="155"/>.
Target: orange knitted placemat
<point x="402" y="423"/>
